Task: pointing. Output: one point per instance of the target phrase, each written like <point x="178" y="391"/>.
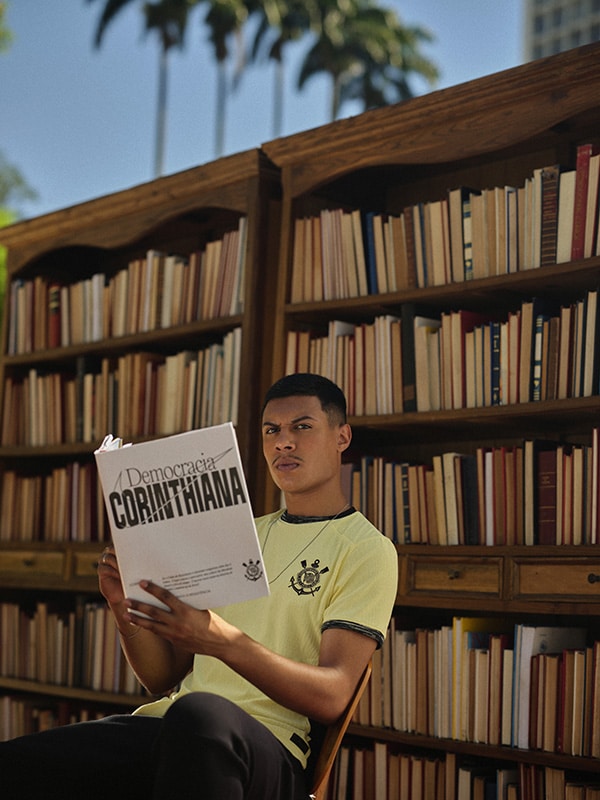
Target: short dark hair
<point x="329" y="394"/>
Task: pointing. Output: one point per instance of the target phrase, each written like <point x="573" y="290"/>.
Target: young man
<point x="250" y="675"/>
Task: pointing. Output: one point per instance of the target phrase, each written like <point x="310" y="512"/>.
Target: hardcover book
<point x="180" y="515"/>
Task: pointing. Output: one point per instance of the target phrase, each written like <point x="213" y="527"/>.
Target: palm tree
<point x="280" y="22"/>
<point x="382" y="74"/>
<point x="367" y="52"/>
<point x="225" y="19"/>
<point x="168" y="18"/>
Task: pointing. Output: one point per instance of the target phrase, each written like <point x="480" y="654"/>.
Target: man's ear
<point x="344" y="437"/>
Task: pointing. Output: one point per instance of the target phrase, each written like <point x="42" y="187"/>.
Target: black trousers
<point x="205" y="748"/>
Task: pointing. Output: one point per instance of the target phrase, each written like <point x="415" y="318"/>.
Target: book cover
<point x="180" y="515"/>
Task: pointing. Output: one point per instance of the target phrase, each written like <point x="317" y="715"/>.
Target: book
<point x="546" y="497"/>
<point x="566" y="205"/>
<point x="180" y="515"/>
<point x="424" y="327"/>
<point x="461" y="322"/>
<point x="531" y="640"/>
<point x="459" y="211"/>
<point x="582" y="178"/>
<point x="549" y="180"/>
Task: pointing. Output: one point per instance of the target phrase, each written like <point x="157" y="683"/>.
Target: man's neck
<point x="316" y="507"/>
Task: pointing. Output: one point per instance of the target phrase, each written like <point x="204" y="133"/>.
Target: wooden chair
<point x="326" y="743"/>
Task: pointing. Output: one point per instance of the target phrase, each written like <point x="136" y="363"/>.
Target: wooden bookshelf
<point x="46" y="557"/>
<point x="493" y="132"/>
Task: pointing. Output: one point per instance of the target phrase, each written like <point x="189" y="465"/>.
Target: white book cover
<point x="180" y="516"/>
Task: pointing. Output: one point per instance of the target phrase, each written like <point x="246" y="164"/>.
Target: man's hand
<point x="188" y="629"/>
<point x="109" y="578"/>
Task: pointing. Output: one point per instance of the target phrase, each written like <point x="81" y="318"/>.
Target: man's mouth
<point x="285" y="464"/>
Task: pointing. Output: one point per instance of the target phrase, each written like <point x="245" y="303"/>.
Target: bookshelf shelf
<point x="562" y="281"/>
<point x="508" y="754"/>
<point x="392" y="169"/>
<point x="108" y="699"/>
<point x="117" y="261"/>
<point x="158" y="340"/>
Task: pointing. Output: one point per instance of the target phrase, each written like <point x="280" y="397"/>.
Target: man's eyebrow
<point x="266" y="423"/>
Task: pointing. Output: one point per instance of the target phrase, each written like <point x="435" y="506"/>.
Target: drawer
<point x="85" y="564"/>
<point x="556" y="579"/>
<point x="32" y="562"/>
<point x="444" y="575"/>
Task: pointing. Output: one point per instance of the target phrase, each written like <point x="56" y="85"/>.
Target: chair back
<point x="323" y="755"/>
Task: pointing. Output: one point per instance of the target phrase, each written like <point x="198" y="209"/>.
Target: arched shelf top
<point x="497" y="112"/>
<point x="204" y="195"/>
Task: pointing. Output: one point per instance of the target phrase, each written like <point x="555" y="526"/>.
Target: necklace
<point x="306" y="546"/>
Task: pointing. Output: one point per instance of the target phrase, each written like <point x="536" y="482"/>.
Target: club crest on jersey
<point x="308" y="580"/>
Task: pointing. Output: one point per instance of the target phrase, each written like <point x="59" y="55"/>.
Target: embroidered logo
<point x="308" y="580"/>
<point x="253" y="570"/>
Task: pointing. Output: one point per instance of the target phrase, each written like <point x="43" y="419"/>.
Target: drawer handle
<point x="453" y="574"/>
<point x="593" y="578"/>
<point x="28" y="562"/>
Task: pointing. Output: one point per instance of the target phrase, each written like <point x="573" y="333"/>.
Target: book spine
<point x="546" y="497"/>
<point x="54" y="324"/>
<point x="582" y="166"/>
<point x="549" y="215"/>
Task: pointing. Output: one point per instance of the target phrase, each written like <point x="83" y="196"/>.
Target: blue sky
<point x="79" y="122"/>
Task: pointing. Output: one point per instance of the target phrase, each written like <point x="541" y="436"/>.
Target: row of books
<point x="459" y="359"/>
<point x="382" y="773"/>
<point x="540" y="492"/>
<point x="552" y="218"/>
<point x="483" y="680"/>
<point x="158" y="291"/>
<point x="64" y="506"/>
<point x="77" y="648"/>
<point x="19" y="717"/>
<point x="137" y="394"/>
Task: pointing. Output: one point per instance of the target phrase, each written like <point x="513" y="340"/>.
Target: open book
<point x="180" y="516"/>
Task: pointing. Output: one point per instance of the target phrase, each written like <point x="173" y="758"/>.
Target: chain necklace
<point x="306" y="546"/>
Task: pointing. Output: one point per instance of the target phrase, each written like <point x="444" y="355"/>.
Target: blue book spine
<point x="372" y="285"/>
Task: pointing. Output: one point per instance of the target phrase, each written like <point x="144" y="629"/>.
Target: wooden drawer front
<point x="32" y="562"/>
<point x="464" y="576"/>
<point x="85" y="564"/>
<point x="556" y="578"/>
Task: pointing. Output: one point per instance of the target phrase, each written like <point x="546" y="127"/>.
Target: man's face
<point x="301" y="447"/>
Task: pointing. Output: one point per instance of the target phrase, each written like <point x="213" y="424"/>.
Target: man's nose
<point x="285" y="441"/>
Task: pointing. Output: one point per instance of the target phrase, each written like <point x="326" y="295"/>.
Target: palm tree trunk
<point x="220" y="109"/>
<point x="278" y="91"/>
<point x="161" y="114"/>
<point x="335" y="98"/>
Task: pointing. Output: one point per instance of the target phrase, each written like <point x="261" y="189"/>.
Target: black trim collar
<point x="297" y="520"/>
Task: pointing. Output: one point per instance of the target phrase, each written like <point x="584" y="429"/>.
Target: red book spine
<point x="582" y="168"/>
